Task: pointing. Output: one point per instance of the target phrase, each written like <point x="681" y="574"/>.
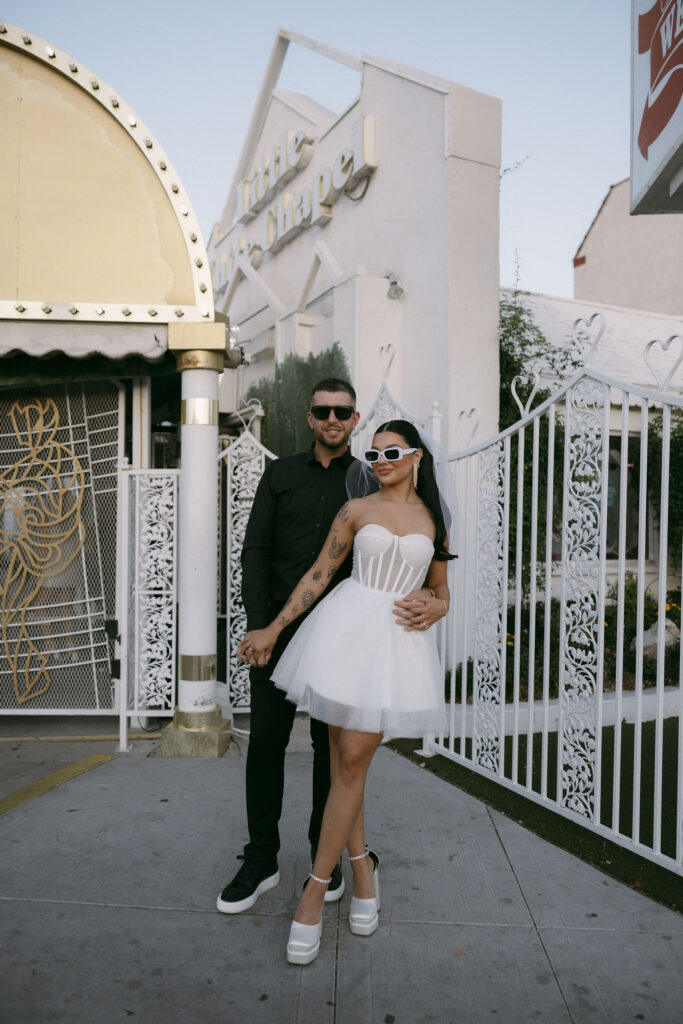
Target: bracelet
<point x="430" y="591"/>
<point x="443" y="599"/>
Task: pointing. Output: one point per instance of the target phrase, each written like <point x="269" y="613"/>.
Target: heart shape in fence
<point x="663" y="382"/>
<point x="469" y="414"/>
<point x="584" y="331"/>
<point x="524" y="379"/>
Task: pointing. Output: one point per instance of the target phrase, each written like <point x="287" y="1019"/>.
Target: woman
<point x="361" y="667"/>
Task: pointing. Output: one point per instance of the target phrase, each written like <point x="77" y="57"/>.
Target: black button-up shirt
<point x="295" y="504"/>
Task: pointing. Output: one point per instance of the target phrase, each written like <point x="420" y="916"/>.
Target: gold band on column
<point x="199" y="412"/>
<point x="197" y="668"/>
<point x="197" y="359"/>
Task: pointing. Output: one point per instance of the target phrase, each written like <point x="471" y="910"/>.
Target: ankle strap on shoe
<point x="323" y="881"/>
<point x="360" y="856"/>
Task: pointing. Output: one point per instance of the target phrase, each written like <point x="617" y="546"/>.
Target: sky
<point x="192" y="71"/>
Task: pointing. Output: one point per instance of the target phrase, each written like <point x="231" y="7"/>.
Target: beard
<point x="332" y="441"/>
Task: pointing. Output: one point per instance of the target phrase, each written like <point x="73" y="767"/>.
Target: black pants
<point x="272" y="717"/>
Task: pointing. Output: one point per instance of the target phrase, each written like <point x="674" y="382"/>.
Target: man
<point x="296" y="501"/>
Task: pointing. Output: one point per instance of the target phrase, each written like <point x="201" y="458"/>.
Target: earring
<point x="416" y="466"/>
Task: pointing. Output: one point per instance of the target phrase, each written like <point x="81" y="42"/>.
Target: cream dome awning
<point x="95" y="225"/>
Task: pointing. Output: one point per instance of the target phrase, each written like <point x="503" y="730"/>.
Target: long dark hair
<point x="426" y="481"/>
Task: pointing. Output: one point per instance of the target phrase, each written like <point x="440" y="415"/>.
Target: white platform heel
<point x="304" y="939"/>
<point x="364" y="914"/>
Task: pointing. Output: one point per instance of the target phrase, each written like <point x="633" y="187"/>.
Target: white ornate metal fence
<point x="147" y="589"/>
<point x="570" y="548"/>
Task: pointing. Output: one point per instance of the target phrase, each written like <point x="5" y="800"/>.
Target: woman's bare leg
<point x="363" y="884"/>
<point x="351" y="753"/>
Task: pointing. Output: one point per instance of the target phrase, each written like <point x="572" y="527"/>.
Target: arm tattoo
<point x="343" y="513"/>
<point x="331" y="571"/>
<point x="337" y="549"/>
<point x="317" y="575"/>
<point x="307" y="598"/>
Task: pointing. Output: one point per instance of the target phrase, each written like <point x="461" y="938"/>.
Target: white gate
<point x="566" y="558"/>
<point x="147" y="588"/>
<point x="59" y="453"/>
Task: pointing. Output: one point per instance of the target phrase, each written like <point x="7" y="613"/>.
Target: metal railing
<point x="569" y="548"/>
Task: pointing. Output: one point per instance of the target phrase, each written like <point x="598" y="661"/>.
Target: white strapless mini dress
<point x="350" y="661"/>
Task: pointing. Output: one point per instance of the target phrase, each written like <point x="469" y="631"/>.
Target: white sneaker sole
<point x="237" y="908"/>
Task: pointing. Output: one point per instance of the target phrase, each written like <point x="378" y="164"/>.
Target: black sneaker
<point x="335" y="889"/>
<point x="253" y="879"/>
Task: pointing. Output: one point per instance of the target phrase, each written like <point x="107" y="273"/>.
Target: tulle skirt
<point x="356" y="668"/>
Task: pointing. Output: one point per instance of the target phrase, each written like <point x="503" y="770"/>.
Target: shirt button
<point x="317" y="524"/>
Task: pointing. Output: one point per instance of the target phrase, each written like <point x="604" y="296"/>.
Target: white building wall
<point x="430" y="215"/>
<point x="631" y="261"/>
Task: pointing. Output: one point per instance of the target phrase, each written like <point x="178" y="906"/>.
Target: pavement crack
<point x="531" y="916"/>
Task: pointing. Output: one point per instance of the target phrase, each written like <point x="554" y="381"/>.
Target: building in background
<point x="103" y="271"/>
<point x="373" y="227"/>
<point x="632" y="262"/>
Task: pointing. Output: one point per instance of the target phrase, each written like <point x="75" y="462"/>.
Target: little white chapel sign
<point x="284" y="213"/>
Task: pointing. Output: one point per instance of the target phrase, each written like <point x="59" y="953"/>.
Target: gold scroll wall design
<point x="41" y="533"/>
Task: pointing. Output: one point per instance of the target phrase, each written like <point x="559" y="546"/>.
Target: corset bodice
<point x="384" y="561"/>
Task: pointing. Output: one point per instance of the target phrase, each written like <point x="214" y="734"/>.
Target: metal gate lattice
<point x="59" y="453"/>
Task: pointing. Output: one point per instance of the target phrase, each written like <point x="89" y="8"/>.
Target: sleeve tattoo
<point x="337" y="549"/>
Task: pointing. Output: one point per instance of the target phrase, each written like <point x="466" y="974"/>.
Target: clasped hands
<point x="257" y="646"/>
<point x="417" y="610"/>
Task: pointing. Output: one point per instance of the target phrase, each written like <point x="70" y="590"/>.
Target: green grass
<point x="617" y="861"/>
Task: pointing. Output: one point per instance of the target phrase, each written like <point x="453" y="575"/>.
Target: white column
<point x="198" y="534"/>
<point x="142" y="428"/>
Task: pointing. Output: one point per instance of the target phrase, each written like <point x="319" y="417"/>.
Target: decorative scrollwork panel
<point x="490" y="606"/>
<point x="581" y="552"/>
<point x="246" y="460"/>
<point x="153" y="594"/>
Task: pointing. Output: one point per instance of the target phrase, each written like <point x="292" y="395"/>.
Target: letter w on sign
<point x="660" y="33"/>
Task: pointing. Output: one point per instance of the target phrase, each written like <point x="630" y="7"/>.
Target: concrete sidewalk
<point x="108" y="885"/>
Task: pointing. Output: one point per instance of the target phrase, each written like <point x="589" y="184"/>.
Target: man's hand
<point x="418" y="610"/>
<point x="257" y="646"/>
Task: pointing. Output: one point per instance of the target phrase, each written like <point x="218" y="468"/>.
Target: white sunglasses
<point x="393" y="454"/>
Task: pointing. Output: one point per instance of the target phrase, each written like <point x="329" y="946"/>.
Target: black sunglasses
<point x="341" y="412"/>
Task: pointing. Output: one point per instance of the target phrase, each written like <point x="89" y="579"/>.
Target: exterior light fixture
<point x="395" y="290"/>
